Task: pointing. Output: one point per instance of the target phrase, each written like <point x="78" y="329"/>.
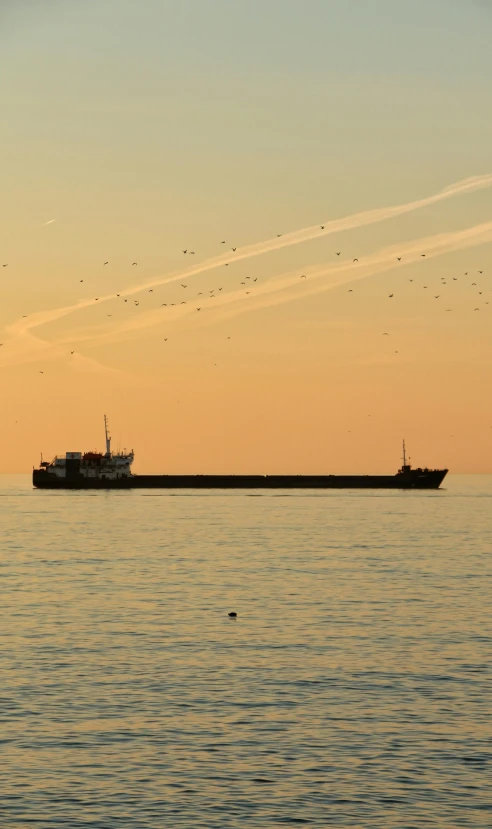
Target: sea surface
<point x="353" y="688"/>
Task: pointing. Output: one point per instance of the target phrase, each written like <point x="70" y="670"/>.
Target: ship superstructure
<point x="90" y="466"/>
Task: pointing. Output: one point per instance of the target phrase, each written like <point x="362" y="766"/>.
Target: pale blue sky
<point x="209" y="89"/>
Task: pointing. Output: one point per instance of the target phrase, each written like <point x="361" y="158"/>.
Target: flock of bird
<point x="249" y="282"/>
<point x="213" y="292"/>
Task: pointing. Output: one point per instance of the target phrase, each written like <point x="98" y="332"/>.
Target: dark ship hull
<point x="411" y="479"/>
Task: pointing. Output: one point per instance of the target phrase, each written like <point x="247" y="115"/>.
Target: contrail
<point x="27" y="348"/>
<point x="283" y="289"/>
<point x="287" y="288"/>
<point x="83" y="363"/>
<point x="50" y="222"/>
<point x="439" y="245"/>
<point x="329" y="227"/>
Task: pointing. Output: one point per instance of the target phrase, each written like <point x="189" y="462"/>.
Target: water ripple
<point x="352" y="689"/>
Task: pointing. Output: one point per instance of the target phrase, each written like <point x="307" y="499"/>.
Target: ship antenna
<point x="108" y="438"/>
<point x="404" y="454"/>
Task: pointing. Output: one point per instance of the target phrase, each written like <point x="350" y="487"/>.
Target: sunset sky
<point x="132" y="131"/>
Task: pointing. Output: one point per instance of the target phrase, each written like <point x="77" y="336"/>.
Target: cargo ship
<point x="108" y="470"/>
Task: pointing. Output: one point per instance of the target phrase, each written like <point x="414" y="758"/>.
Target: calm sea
<point x="353" y="689"/>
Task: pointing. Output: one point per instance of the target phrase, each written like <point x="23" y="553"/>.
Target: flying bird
<point x="322" y="227"/>
<point x="399" y="258"/>
<point x="223" y="243"/>
<point x="105" y="263"/>
<point x="6" y="265"/>
<point x="183" y="286"/>
<point x="390" y="295"/>
<point x="198" y="309"/>
<point x="234" y="249"/>
<point x="339" y="252"/>
<point x="133" y="263"/>
<point x="303" y="276"/>
<point x="185" y="251"/>
<point x="278" y="235"/>
<point x="355" y="260"/>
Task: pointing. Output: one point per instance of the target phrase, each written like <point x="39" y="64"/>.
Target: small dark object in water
<point x="232" y="614"/>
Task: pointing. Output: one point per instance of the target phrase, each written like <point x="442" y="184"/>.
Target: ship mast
<point x="404" y="453"/>
<point x="108" y="438"/>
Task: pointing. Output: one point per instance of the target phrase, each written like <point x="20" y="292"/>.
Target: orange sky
<point x="132" y="155"/>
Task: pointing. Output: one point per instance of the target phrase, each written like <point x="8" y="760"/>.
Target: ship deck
<point x="425" y="479"/>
